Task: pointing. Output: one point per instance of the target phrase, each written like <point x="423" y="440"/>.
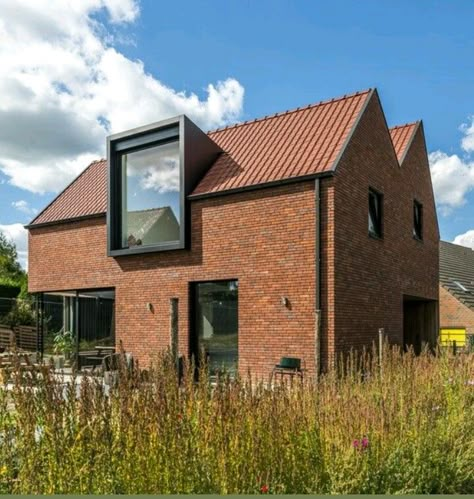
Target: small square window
<point x="417" y="220"/>
<point x="375" y="213"/>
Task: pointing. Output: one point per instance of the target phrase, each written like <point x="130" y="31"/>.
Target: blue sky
<point x="268" y="55"/>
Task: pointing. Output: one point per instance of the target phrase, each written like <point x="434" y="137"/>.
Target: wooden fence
<point x="22" y="337"/>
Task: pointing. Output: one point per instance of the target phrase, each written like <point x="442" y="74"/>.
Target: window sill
<point x="419" y="239"/>
<point x="146" y="249"/>
<point x="372" y="235"/>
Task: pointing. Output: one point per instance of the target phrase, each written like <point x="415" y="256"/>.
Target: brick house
<point x="298" y="234"/>
<point x="456" y="293"/>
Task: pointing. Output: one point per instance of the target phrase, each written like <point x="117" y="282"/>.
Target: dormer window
<point x="150" y="195"/>
<point x="151" y="171"/>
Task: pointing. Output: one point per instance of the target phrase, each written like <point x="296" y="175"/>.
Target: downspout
<point x="77" y="325"/>
<point x="317" y="258"/>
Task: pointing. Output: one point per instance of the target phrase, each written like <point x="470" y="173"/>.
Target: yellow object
<point x="448" y="335"/>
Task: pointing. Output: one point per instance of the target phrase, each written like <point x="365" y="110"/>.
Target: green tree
<point x="10" y="268"/>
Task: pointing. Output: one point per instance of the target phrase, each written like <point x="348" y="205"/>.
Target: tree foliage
<point x="10" y="268"/>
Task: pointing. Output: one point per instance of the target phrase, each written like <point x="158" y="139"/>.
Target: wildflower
<point x="365" y="443"/>
<point x="355" y="444"/>
<point x="470" y="382"/>
<point x="180" y="417"/>
<point x="264" y="489"/>
<point x="436" y="408"/>
<point x="39" y="433"/>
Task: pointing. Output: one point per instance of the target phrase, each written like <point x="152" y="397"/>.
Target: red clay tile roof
<point x="296" y="143"/>
<point x="401" y="138"/>
<point x="85" y="196"/>
<point x="305" y="141"/>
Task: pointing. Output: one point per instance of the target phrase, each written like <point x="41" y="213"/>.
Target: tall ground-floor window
<point x="86" y="317"/>
<point x="215" y="324"/>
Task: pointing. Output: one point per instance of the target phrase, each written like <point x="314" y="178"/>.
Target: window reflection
<point x="151" y="195"/>
<point x="217" y="324"/>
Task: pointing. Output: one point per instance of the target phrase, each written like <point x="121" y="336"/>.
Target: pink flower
<point x="355" y="444"/>
<point x="365" y="443"/>
<point x="264" y="489"/>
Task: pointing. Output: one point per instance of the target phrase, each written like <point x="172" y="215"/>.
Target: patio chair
<point x="288" y="366"/>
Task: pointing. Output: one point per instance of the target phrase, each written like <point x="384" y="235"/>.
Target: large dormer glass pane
<point x="150" y="196"/>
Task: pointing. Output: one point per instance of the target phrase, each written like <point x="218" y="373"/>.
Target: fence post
<point x="12" y="340"/>
<point x="455" y="350"/>
<point x="174" y="302"/>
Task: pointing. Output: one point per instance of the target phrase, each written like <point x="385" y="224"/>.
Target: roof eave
<point x="264" y="185"/>
<point x="64" y="221"/>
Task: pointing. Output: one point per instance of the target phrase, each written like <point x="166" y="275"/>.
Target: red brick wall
<point x="371" y="276"/>
<point x="265" y="239"/>
<point x="453" y="313"/>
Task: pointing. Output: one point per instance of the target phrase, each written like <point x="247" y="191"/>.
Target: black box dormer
<point x="151" y="171"/>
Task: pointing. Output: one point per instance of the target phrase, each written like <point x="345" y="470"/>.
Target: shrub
<point x="63" y="343"/>
<point x="407" y="428"/>
<point x="21" y="314"/>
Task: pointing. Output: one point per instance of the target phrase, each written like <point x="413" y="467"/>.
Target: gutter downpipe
<point x="317" y="312"/>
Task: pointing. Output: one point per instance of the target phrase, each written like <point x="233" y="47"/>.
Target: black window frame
<point x="128" y="142"/>
<point x="379" y="226"/>
<point x="193" y="338"/>
<point x="417" y="224"/>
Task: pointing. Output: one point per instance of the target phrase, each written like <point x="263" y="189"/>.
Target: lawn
<point x="405" y="428"/>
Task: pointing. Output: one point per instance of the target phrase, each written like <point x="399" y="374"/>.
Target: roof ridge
<point x="290" y="111"/>
<point x="149" y="209"/>
<point x="411" y="123"/>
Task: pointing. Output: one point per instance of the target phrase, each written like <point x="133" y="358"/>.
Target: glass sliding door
<point x="216" y="324"/>
<point x="88" y="314"/>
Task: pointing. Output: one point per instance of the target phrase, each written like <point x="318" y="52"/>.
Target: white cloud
<point x="453" y="175"/>
<point x="163" y="179"/>
<point x="24" y="207"/>
<point x="466" y="239"/>
<point x="157" y="169"/>
<point x="65" y="86"/>
<point x="467" y="142"/>
<point x="453" y="178"/>
<point x="18" y="234"/>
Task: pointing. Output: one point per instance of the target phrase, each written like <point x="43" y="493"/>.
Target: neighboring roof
<point x="456" y="271"/>
<point x="402" y="136"/>
<point x="83" y="197"/>
<point x="298" y="143"/>
<point x="140" y="222"/>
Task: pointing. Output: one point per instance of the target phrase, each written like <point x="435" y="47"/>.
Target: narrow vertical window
<point x="417" y="220"/>
<point x="375" y="213"/>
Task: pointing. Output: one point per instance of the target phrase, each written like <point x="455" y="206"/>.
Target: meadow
<point x="406" y="426"/>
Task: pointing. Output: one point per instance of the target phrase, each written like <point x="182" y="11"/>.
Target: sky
<point x="75" y="71"/>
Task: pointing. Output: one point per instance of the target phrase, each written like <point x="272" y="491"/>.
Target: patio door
<point x="214" y="327"/>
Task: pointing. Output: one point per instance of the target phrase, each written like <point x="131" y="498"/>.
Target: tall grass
<point x="407" y="430"/>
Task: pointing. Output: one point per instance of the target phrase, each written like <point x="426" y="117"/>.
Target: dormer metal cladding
<point x="151" y="171"/>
